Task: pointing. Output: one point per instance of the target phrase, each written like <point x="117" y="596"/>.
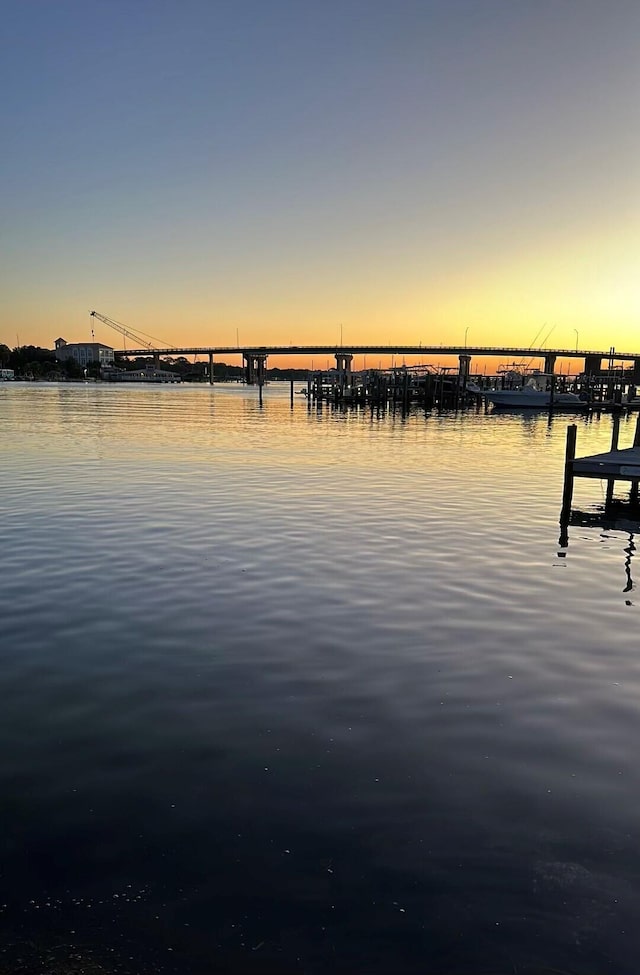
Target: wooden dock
<point x="622" y="465"/>
<point x="613" y="465"/>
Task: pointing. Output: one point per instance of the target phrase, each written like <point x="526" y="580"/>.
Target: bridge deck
<point x="399" y="349"/>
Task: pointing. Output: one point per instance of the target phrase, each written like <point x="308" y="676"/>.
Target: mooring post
<point x="615" y="432"/>
<point x="615" y="436"/>
<point x="292" y="392"/>
<point x="262" y="368"/>
<point x="633" y="493"/>
<point x="569" y="457"/>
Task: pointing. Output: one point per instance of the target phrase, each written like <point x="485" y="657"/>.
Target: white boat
<point x="535" y="392"/>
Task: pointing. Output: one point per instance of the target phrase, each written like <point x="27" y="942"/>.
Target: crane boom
<point x="128" y="333"/>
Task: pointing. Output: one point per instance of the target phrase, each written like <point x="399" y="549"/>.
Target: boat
<point x="535" y="392"/>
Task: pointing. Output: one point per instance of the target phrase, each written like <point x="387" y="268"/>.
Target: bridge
<point x="255" y="357"/>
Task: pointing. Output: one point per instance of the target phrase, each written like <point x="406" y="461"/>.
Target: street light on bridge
<point x="465" y="335"/>
<point x="576" y="331"/>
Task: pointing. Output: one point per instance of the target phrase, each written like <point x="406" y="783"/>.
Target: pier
<point x="616" y="464"/>
<point x="425" y="386"/>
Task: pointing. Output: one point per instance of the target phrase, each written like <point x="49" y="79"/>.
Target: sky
<point x="267" y="171"/>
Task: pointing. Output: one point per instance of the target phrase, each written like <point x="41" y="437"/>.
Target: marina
<point x="515" y="387"/>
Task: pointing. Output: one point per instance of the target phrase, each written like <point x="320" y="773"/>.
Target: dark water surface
<point x="299" y="692"/>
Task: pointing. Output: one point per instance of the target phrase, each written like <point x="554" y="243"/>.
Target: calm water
<point x="291" y="691"/>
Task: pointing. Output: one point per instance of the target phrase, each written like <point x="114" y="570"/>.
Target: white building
<point x="84" y="352"/>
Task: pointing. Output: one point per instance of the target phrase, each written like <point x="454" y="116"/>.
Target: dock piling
<point x="569" y="457"/>
<point x="615" y="436"/>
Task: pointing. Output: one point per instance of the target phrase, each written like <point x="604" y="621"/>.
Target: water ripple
<point x="319" y="682"/>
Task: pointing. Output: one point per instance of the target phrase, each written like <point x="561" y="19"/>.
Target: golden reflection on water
<point x="246" y="641"/>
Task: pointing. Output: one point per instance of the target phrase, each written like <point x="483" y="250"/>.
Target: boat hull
<point x="532" y="399"/>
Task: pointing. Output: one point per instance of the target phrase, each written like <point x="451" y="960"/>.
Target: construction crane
<point x="129" y="334"/>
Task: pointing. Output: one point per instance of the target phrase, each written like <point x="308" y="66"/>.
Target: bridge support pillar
<point x="255" y="368"/>
<point x="463" y="370"/>
<point x="635" y="376"/>
<point x="248" y="369"/>
<point x="211" y="368"/>
<point x="549" y="363"/>
<point x="343" y="367"/>
<point x="156" y="360"/>
<point x="592" y="365"/>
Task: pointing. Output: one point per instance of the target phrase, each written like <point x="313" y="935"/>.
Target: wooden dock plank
<point x="622" y="464"/>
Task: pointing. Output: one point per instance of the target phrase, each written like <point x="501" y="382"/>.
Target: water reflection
<point x="302" y="691"/>
<point x="606" y="524"/>
<point x="629" y="551"/>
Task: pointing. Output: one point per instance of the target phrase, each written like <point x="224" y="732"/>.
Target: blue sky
<point x="409" y="169"/>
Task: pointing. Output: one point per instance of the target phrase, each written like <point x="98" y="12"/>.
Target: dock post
<point x="261" y="364"/>
<point x="615" y="433"/>
<point x="633" y="493"/>
<point x="292" y="392"/>
<point x="569" y="457"/>
<point x="609" y="495"/>
<point x="611" y="482"/>
<point x="211" y="368"/>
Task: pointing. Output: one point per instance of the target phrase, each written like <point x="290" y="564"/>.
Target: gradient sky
<point x="272" y="170"/>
